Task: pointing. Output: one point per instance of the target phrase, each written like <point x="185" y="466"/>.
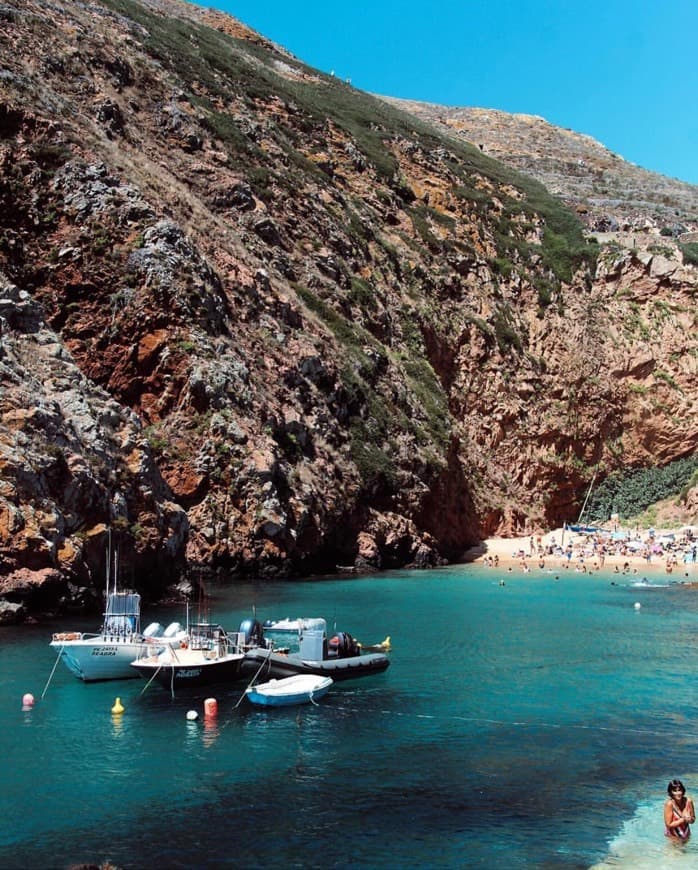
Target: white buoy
<point x="192" y="715"/>
<point x="637" y="605"/>
<point x="27" y="701"/>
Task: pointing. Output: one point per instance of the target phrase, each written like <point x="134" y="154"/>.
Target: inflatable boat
<point x="339" y="657"/>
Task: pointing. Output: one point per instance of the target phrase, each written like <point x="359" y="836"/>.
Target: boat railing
<point x="119" y="636"/>
<point x="63" y="636"/>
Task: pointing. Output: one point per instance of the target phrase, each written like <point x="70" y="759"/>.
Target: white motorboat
<point x="208" y="654"/>
<point x="289" y="691"/>
<point x="107" y="654"/>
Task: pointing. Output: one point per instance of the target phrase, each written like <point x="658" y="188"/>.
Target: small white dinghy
<point x="298" y="689"/>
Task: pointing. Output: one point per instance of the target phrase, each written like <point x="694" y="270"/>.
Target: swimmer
<point x="679" y="812"/>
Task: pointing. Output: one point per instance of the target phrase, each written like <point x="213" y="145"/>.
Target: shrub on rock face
<point x="690" y="253"/>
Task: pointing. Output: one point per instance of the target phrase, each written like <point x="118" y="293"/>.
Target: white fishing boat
<point x="289" y="691"/>
<point x="108" y="653"/>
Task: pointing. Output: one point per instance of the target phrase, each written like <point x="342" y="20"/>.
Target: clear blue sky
<point x="623" y="72"/>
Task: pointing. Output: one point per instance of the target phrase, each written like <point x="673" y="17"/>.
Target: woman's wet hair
<point x="674" y="785"/>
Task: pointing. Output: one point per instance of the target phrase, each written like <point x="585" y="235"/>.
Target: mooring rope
<point x="264" y="662"/>
<point x="55" y="665"/>
<point x="151" y="679"/>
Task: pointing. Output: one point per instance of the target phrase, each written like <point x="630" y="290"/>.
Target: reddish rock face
<point x="270" y="325"/>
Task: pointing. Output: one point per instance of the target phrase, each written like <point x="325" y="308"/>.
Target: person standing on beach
<point x="679" y="812"/>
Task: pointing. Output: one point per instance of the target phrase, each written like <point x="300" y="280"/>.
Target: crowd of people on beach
<point x="595" y="550"/>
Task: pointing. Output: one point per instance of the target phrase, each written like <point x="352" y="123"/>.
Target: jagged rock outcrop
<point x="73" y="463"/>
<point x="258" y="321"/>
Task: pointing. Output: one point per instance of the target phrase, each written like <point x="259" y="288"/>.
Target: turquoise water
<point x="534" y="724"/>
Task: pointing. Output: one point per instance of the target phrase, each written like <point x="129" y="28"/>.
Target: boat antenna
<point x="116" y="566"/>
<point x="108" y="565"/>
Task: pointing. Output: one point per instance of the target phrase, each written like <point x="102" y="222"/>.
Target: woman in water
<point x="679" y="812"/>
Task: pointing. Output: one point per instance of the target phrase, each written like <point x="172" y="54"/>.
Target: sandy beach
<point x="641" y="555"/>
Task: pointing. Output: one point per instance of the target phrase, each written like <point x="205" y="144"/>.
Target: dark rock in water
<point x="11" y="612"/>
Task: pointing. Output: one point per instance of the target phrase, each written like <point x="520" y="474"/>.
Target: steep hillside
<point x="606" y="190"/>
<point x="258" y="321"/>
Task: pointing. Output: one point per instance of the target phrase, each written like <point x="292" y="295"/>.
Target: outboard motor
<point x="344" y="646"/>
<point x="153" y="630"/>
<point x="253" y="631"/>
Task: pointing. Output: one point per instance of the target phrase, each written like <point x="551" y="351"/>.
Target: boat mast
<point x="581" y="513"/>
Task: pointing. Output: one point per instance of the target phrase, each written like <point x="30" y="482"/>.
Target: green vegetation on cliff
<point x="629" y="494"/>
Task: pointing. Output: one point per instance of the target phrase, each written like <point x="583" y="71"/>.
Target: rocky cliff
<point x="258" y="321"/>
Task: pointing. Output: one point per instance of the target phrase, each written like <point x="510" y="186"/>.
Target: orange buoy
<point x="210" y="707"/>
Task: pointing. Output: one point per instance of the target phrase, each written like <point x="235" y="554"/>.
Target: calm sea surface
<point x="534" y="724"/>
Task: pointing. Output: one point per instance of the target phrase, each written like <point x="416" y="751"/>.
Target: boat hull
<point x="274" y="665"/>
<point x="290" y="691"/>
<point x="191" y="671"/>
<point x="94" y="659"/>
